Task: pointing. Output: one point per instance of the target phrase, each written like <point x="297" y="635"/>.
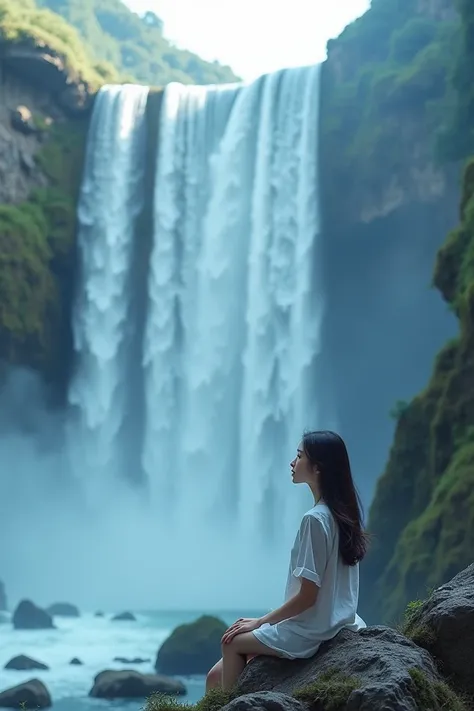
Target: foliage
<point x="457" y="140"/>
<point x="434" y="695"/>
<point x="398" y="410"/>
<point x="422" y="515"/>
<point x="390" y="88"/>
<point x="37" y="258"/>
<point x="23" y="22"/>
<point x="135" y="45"/>
<point x="213" y="700"/>
<point x="330" y="691"/>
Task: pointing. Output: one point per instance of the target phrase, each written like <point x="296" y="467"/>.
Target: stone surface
<point x="192" y="648"/>
<point x="445" y="625"/>
<point x="32" y="694"/>
<point x="45" y="68"/>
<point x="22" y="120"/>
<point x="3" y="597"/>
<point x="268" y="700"/>
<point x="378" y="657"/>
<point x="22" y="663"/>
<point x="28" y="616"/>
<point x="63" y="609"/>
<point x="130" y="684"/>
<point x="76" y="662"/>
<point x="124" y="617"/>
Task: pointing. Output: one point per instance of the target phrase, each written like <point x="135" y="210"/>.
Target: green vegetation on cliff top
<point x="135" y="45"/>
<point x="21" y="21"/>
<point x="389" y="82"/>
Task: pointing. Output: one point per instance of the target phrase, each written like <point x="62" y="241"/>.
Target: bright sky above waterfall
<point x="253" y="36"/>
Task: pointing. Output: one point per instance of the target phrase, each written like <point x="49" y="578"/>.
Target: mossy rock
<point x="213" y="700"/>
<point x="192" y="648"/>
<point x="37" y="259"/>
<point x="331" y="691"/>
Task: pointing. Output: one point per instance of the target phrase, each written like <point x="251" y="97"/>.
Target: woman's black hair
<point x="326" y="450"/>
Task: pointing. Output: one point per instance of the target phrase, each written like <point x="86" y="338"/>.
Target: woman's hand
<point x="243" y="624"/>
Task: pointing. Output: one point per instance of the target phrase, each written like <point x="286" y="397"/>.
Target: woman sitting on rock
<point x="323" y="580"/>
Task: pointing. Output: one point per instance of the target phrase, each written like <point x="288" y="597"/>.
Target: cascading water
<point x="197" y="327"/>
<point x="234" y="315"/>
<point x="111" y="199"/>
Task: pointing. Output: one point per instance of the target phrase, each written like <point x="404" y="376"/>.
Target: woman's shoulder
<point x="320" y="516"/>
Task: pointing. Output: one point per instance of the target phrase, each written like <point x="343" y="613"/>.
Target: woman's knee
<point x="214" y="676"/>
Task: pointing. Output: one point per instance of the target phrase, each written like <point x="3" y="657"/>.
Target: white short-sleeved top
<point x="315" y="556"/>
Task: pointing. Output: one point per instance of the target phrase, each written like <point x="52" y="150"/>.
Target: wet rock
<point x="3" y="598"/>
<point x="192" y="648"/>
<point x="32" y="694"/>
<point x="22" y="663"/>
<point x="63" y="609"/>
<point x="28" y="616"/>
<point x="76" y="662"/>
<point x="124" y="617"/>
<point x="136" y="660"/>
<point x="129" y="684"/>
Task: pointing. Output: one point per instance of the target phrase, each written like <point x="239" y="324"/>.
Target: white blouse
<point x="315" y="556"/>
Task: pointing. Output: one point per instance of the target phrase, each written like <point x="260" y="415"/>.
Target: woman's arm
<point x="304" y="599"/>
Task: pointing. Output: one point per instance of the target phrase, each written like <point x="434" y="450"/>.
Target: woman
<point x="323" y="580"/>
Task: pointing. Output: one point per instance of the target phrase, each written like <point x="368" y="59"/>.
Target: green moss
<point x="422" y="516"/>
<point x="330" y="691"/>
<point x="213" y="700"/>
<point x="434" y="695"/>
<point x="23" y="22"/>
<point x="136" y="45"/>
<point x="390" y="88"/>
<point x="37" y="247"/>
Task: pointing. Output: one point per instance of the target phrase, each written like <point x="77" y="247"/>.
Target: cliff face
<point x="43" y="124"/>
<point x="422" y="516"/>
<point x="387" y="204"/>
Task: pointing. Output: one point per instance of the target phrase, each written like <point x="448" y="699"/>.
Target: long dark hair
<point x="327" y="451"/>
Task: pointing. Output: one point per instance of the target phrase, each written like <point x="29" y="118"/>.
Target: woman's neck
<point x="316" y="494"/>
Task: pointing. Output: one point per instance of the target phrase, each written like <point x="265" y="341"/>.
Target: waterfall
<point x="226" y="352"/>
<point x="110" y="200"/>
<point x="234" y="312"/>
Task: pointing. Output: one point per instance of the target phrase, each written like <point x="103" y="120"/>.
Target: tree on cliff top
<point x="135" y="45"/>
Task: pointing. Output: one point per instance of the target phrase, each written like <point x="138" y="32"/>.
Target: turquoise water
<point x="96" y="641"/>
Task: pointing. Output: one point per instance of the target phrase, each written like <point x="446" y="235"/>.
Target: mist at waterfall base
<point x="166" y="483"/>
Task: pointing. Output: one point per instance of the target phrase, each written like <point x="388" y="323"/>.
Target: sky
<point x="252" y="36"/>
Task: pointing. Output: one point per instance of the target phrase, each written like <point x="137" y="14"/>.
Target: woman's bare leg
<point x="235" y="655"/>
<point x="214" y="676"/>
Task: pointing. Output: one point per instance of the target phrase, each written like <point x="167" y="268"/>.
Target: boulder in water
<point x="3" y="597"/>
<point x="28" y="616"/>
<point x="76" y="662"/>
<point x="124" y="617"/>
<point x="63" y="609"/>
<point x="130" y="684"/>
<point x="136" y="660"/>
<point x="23" y="663"/>
<point x="32" y="694"/>
<point x="192" y="648"/>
